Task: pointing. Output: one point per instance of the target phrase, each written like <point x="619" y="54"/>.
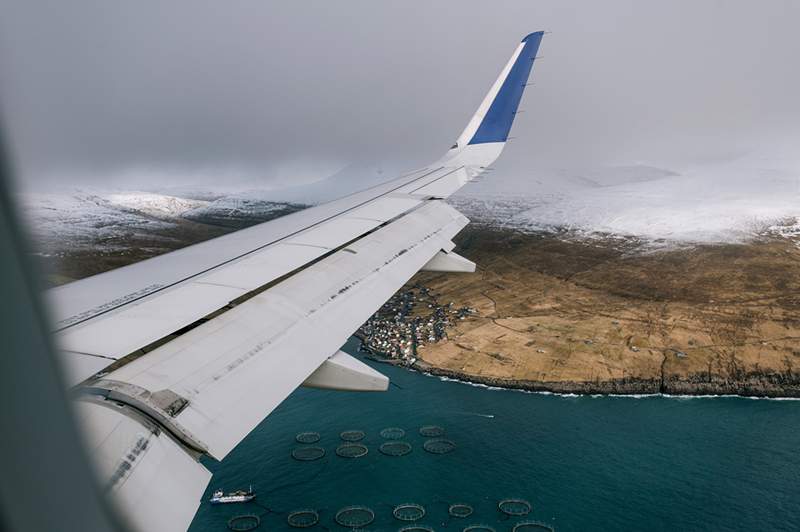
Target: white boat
<point x="219" y="497"/>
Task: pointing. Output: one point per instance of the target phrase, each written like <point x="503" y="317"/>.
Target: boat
<point x="220" y="497"/>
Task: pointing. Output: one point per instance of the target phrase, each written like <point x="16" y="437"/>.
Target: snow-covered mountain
<point x="155" y="205"/>
<point x="91" y="219"/>
<point x="79" y="219"/>
<point x="240" y="210"/>
<point x="720" y="203"/>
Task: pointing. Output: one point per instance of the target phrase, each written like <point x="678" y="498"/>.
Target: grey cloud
<point x="92" y="89"/>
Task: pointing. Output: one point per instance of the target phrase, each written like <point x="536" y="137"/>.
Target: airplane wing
<point x="182" y="355"/>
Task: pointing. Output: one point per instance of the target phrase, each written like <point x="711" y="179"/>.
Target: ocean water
<point x="584" y="463"/>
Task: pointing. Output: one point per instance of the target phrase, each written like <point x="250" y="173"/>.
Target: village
<point x="411" y="318"/>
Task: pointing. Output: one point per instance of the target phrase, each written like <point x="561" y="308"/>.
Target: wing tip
<point x="534" y="35"/>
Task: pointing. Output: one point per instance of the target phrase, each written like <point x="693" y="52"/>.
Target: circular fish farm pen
<point x="460" y="509"/>
<point x="352" y="450"/>
<point x="392" y="433"/>
<point x="303" y="518"/>
<point x="352" y="435"/>
<point x="532" y="526"/>
<point x="515" y="507"/>
<point x="479" y="528"/>
<point x="244" y="522"/>
<point x="431" y="431"/>
<point x="308" y="454"/>
<point x="408" y="511"/>
<point x="307" y="437"/>
<point x="439" y="446"/>
<point x="355" y="516"/>
<point x="416" y="528"/>
<point x="395" y="448"/>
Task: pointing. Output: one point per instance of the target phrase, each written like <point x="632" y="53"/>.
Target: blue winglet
<point x="497" y="123"/>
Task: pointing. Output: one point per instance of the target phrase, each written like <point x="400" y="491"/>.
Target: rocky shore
<point x="772" y="386"/>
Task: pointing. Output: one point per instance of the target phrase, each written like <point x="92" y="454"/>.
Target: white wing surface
<point x="183" y="355"/>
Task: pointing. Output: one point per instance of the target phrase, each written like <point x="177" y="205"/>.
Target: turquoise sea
<point x="584" y="463"/>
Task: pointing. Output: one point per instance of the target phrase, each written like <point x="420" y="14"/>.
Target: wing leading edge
<point x="183" y="355"/>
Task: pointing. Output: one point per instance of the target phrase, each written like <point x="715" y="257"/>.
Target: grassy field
<point x="599" y="317"/>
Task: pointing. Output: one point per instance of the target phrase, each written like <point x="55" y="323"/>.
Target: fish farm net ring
<point x="352" y="450"/>
<point x="303" y="518"/>
<point x="244" y="522"/>
<point x="408" y="511"/>
<point x="392" y="433"/>
<point x="514" y="507"/>
<point x="416" y="528"/>
<point x="352" y="435"/>
<point x="308" y="454"/>
<point x="532" y="526"/>
<point x="355" y="516"/>
<point x="439" y="446"/>
<point x="307" y="437"/>
<point x="395" y="448"/>
<point x="431" y="431"/>
<point x="460" y="510"/>
<point x="479" y="528"/>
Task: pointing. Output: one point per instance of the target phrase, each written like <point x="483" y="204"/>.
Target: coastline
<point x="564" y="317"/>
<point x="628" y="387"/>
<point x="756" y="387"/>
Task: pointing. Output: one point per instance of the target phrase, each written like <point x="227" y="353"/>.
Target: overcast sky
<point x="133" y="92"/>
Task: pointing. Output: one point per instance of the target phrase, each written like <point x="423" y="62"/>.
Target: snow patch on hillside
<point x="88" y="219"/>
<point x="720" y="203"/>
<point x="81" y="219"/>
<point x="253" y="204"/>
<point x="155" y="205"/>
